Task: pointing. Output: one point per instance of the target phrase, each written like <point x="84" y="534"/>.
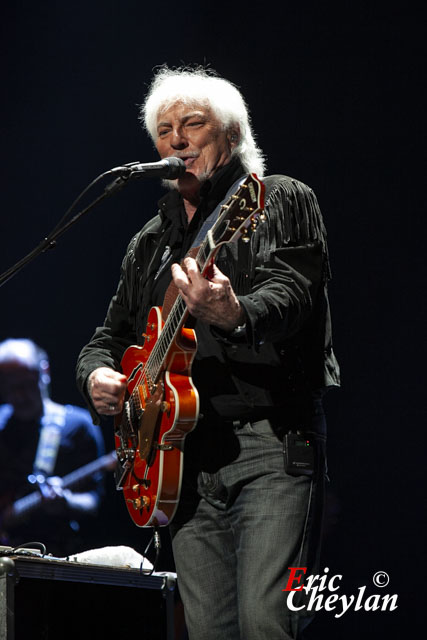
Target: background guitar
<point x="21" y="509"/>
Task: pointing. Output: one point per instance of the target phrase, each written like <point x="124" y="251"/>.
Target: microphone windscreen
<point x="176" y="167"/>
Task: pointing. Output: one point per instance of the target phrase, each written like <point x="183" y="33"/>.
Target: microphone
<point x="170" y="168"/>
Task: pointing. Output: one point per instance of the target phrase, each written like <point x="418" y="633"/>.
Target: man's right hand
<point x="107" y="390"/>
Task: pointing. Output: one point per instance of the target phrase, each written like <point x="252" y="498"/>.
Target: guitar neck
<point x="24" y="506"/>
<point x="236" y="218"/>
<point x="73" y="478"/>
<point x="177" y="317"/>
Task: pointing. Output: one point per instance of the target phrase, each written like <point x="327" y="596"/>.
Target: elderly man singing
<point x="251" y="494"/>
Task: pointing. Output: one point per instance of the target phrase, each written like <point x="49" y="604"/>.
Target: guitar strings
<point x="155" y="362"/>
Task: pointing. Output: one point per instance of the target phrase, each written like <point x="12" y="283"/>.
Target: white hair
<point x="201" y="86"/>
<point x="26" y="353"/>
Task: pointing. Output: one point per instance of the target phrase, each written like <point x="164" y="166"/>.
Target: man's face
<point x="19" y="386"/>
<point x="193" y="133"/>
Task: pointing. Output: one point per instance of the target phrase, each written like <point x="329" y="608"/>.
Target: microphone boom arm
<point x="50" y="241"/>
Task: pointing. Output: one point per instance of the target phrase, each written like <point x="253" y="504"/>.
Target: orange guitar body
<point x="152" y="472"/>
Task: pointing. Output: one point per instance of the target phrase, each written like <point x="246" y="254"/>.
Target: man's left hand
<point x="211" y="300"/>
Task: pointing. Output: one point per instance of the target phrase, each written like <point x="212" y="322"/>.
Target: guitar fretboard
<point x="173" y="324"/>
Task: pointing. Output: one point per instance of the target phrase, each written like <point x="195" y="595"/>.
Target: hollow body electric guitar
<point x="162" y="403"/>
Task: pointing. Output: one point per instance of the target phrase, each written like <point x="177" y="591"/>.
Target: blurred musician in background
<point x="42" y="441"/>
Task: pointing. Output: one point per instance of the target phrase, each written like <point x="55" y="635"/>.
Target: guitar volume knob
<point x="139" y="503"/>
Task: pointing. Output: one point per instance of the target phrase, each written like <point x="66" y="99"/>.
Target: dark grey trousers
<point x="242" y="522"/>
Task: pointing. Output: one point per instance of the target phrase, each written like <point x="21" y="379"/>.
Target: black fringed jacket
<point x="283" y="357"/>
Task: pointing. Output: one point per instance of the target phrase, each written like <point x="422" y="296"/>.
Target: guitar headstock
<point x="240" y="215"/>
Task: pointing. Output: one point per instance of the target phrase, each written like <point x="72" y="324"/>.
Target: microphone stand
<point x="50" y="241"/>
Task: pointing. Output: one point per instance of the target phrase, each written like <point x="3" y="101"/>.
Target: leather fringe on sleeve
<point x="293" y="217"/>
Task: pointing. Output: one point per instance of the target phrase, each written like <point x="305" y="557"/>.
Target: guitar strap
<point x="206" y="226"/>
<point x="52" y="423"/>
<point x="211" y="219"/>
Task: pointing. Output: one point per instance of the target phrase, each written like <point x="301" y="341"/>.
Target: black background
<point x="335" y="96"/>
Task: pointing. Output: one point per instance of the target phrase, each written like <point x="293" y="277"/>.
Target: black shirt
<point x="179" y="238"/>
